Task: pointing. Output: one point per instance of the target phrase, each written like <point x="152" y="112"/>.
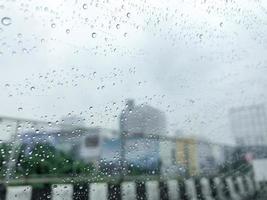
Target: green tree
<point x="45" y="159"/>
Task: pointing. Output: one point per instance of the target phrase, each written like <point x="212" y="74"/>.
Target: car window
<point x="132" y="98"/>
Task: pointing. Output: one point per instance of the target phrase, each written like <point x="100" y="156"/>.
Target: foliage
<point x="43" y="159"/>
<point x="236" y="164"/>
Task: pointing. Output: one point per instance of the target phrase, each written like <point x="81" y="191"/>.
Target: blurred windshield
<point x="115" y="92"/>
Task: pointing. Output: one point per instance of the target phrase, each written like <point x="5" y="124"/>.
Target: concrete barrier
<point x="98" y="191"/>
<point x="173" y="190"/>
<point x="206" y="189"/>
<point x="190" y="189"/>
<point x="62" y="191"/>
<point x="220" y="189"/>
<point x="19" y="192"/>
<point x="152" y="190"/>
<point x="128" y="191"/>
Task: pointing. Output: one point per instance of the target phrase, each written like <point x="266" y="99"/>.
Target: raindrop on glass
<point x="53" y="25"/>
<point x="93" y="35"/>
<point x="20" y="109"/>
<point x="6" y="21"/>
<point x="85" y="6"/>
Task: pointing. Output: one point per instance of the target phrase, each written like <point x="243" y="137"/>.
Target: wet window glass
<point x="133" y="99"/>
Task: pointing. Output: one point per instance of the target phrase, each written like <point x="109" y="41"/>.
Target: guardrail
<point x="229" y="188"/>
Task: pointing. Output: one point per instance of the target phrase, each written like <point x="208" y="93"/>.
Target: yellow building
<point x="198" y="156"/>
<point x="187" y="155"/>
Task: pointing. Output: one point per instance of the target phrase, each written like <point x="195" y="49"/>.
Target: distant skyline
<point x="194" y="60"/>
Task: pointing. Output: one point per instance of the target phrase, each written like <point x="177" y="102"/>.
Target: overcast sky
<point x="193" y="59"/>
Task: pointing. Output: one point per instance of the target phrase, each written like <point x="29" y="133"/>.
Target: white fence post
<point x="173" y="190"/>
<point x="98" y="191"/>
<point x="190" y="189"/>
<point x="19" y="192"/>
<point x="152" y="190"/>
<point x="205" y="189"/>
<point x="219" y="188"/>
<point x="128" y="191"/>
<point x="62" y="191"/>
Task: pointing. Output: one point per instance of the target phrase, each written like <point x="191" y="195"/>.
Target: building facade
<point x="249" y="125"/>
<point x="197" y="156"/>
<point x="142" y="120"/>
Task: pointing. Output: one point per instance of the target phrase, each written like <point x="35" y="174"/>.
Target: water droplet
<point x="85" y="6"/>
<point x="125" y="34"/>
<point x="32" y="88"/>
<point x="67" y="31"/>
<point x="25" y="50"/>
<point x="53" y="25"/>
<point x="221" y="24"/>
<point x="6" y="21"/>
<point x="20" y="109"/>
<point x="118" y="26"/>
<point x="93" y="35"/>
<point x="128" y="15"/>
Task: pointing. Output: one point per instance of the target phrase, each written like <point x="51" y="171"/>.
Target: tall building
<point x="142" y="119"/>
<point x="249" y="125"/>
<point x="142" y="127"/>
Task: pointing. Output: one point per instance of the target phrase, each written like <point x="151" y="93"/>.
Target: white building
<point x="249" y="125"/>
